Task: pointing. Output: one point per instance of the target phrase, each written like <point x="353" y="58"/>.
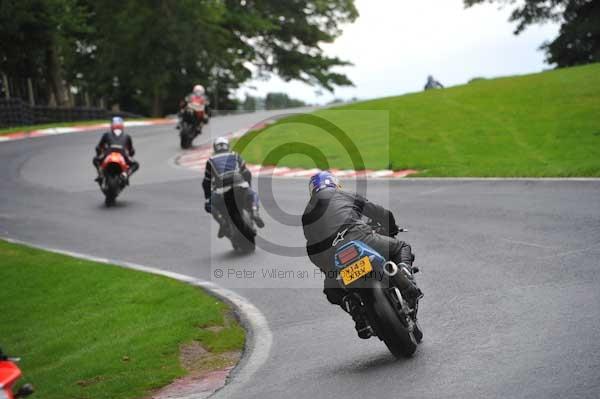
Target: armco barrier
<point x="16" y="112"/>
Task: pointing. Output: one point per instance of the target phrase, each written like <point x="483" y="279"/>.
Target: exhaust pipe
<point x="390" y="268"/>
<point x="400" y="276"/>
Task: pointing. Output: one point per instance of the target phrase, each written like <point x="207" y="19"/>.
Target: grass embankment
<point x="90" y="330"/>
<point x="546" y="124"/>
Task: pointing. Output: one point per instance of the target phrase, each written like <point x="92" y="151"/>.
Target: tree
<point x="249" y="103"/>
<point x="271" y="101"/>
<point x="284" y="36"/>
<point x="144" y="55"/>
<point x="579" y="39"/>
<point x="36" y="36"/>
<point x="281" y="101"/>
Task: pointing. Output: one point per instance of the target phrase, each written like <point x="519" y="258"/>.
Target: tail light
<point x="347" y="255"/>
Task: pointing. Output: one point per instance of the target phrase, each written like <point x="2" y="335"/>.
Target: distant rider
<point x="224" y="171"/>
<point x="115" y="140"/>
<point x="198" y="91"/>
<point x="331" y="219"/>
<point x="433" y="84"/>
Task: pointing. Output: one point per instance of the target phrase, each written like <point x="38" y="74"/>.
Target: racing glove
<point x="207" y="205"/>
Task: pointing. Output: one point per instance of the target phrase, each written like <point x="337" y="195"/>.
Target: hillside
<point x="545" y="124"/>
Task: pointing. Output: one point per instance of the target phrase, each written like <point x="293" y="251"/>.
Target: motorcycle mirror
<point x="24" y="391"/>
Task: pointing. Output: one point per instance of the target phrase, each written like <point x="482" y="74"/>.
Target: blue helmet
<point x="322" y="180"/>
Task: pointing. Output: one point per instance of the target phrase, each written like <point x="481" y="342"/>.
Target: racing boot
<point x="257" y="219"/>
<point x="412" y="295"/>
<point x="407" y="284"/>
<point x="361" y="325"/>
<point x="405" y="281"/>
<point x="125" y="177"/>
<point x="363" y="328"/>
<point x="223" y="230"/>
<point x="98" y="178"/>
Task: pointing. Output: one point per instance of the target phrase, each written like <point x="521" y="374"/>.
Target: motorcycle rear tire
<point x="400" y="341"/>
<point x="112" y="190"/>
<point x="109" y="201"/>
<point x="185" y="142"/>
<point x="243" y="244"/>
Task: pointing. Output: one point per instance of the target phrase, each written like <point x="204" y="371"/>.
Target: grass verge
<point x="540" y="125"/>
<point x="90" y="330"/>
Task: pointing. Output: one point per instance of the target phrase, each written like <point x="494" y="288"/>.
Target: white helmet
<point x="221" y="144"/>
<point x="199" y="90"/>
<point x="117" y="125"/>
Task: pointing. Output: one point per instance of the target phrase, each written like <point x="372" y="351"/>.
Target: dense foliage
<point x="145" y="54"/>
<point x="579" y="39"/>
<point x="271" y="101"/>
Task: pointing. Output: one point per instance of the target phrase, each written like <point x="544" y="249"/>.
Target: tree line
<point x="270" y="101"/>
<point x="143" y="55"/>
<point x="578" y="41"/>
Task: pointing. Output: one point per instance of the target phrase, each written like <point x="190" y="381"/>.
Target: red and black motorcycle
<point x="115" y="177"/>
<point x="9" y="375"/>
<point x="193" y="117"/>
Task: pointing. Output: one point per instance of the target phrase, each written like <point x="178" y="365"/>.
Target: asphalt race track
<point x="511" y="269"/>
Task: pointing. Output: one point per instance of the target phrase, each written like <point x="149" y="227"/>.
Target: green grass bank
<point x="540" y="125"/>
<point x="91" y="330"/>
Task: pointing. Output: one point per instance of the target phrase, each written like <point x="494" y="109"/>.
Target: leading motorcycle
<point x="114" y="170"/>
<point x="373" y="286"/>
<point x="193" y="117"/>
<point x="9" y="375"/>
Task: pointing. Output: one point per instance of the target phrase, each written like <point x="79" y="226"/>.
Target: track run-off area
<point x="510" y="269"/>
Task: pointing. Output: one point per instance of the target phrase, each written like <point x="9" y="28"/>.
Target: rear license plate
<point x="358" y="269"/>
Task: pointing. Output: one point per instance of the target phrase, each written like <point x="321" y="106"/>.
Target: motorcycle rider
<point x="432" y="84"/>
<point x="116" y="140"/>
<point x="197" y="91"/>
<point x="225" y="170"/>
<point x="334" y="217"/>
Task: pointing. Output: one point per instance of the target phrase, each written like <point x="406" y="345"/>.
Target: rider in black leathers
<point x="115" y="140"/>
<point x="224" y="170"/>
<point x="334" y="217"/>
<point x="432" y="84"/>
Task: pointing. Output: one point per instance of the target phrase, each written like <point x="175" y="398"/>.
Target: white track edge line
<point x="259" y="337"/>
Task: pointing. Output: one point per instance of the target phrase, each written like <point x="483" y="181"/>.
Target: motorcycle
<point x="114" y="169"/>
<point x="193" y="117"/>
<point x="232" y="209"/>
<point x="373" y="286"/>
<point x="9" y="375"/>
